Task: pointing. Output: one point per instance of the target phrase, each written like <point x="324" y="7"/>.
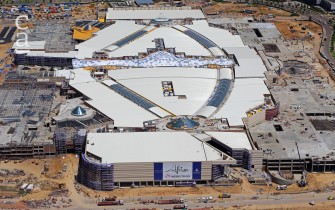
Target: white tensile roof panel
<point x="106" y="37"/>
<point x="149" y="147"/>
<point x="75" y="76"/>
<point x="234" y="140"/>
<point x="226" y="73"/>
<point x="195" y="83"/>
<point x="172" y="39"/>
<point x="222" y="38"/>
<point x="247" y="93"/>
<point x="149" y="14"/>
<point x="250" y="63"/>
<point x="32" y="45"/>
<point x="158" y="111"/>
<point x="124" y="112"/>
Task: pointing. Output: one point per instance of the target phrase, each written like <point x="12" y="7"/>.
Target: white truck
<point x="281" y="187"/>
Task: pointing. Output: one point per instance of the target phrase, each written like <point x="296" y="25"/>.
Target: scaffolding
<point x="97" y="176"/>
<point x="79" y="141"/>
<point x="217" y="171"/>
<point x="247" y="159"/>
<point x="60" y="141"/>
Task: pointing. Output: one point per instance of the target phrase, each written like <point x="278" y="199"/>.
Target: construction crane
<point x="303" y="181"/>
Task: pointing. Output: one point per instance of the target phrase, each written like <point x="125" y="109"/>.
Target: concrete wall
<point x="327" y="5"/>
<point x="144" y="172"/>
<point x="23" y="59"/>
<point x="256" y="159"/>
<point x="100" y="176"/>
<point x="27" y="151"/>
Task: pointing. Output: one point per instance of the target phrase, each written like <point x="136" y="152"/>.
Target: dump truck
<point x="110" y="203"/>
<point x="224" y="195"/>
<point x="172" y="201"/>
<point x="182" y="206"/>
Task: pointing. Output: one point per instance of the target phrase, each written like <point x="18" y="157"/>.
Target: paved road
<point x="236" y="200"/>
<point x="321" y="19"/>
<point x="327" y="34"/>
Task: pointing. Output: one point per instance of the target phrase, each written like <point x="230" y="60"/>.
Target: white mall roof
<point x="196" y="83"/>
<point x="147" y="13"/>
<point x="234" y="140"/>
<point x="75" y="76"/>
<point x="172" y="39"/>
<point x="247" y="93"/>
<point x="222" y="38"/>
<point x="106" y="37"/>
<point x="250" y="63"/>
<point x="149" y="147"/>
<point x="124" y="112"/>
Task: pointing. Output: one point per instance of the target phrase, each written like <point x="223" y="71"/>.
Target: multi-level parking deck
<point x="29" y="100"/>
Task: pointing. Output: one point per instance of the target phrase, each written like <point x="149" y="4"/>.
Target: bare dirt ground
<point x="3" y="52"/>
<point x="302" y="206"/>
<point x="86" y="11"/>
<point x="292" y="29"/>
<point x="316" y="181"/>
<point x="234" y="9"/>
<point x="45" y="184"/>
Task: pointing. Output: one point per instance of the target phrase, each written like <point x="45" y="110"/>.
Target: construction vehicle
<point x="303" y="181"/>
<point x="172" y="201"/>
<point x="183" y="206"/>
<point x="281" y="187"/>
<point x="224" y="195"/>
<point x="110" y="203"/>
<point x="331" y="198"/>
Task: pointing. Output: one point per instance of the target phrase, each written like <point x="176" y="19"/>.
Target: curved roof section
<point x="196" y="84"/>
<point x="246" y="94"/>
<point x="172" y="39"/>
<point x="222" y="38"/>
<point x="220" y="93"/>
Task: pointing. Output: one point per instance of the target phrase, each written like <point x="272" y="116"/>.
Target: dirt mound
<point x="50" y="185"/>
